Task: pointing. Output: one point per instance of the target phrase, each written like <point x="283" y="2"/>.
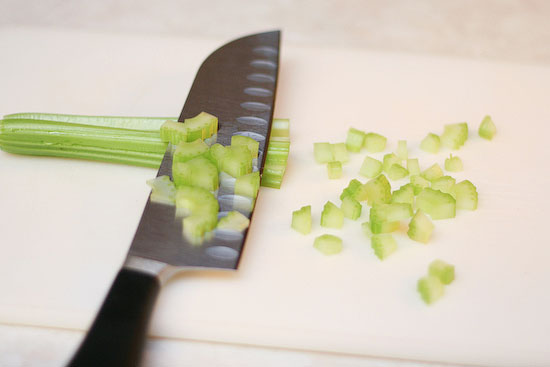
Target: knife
<point x="237" y="83"/>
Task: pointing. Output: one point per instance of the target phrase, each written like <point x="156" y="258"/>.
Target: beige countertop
<point x="504" y="30"/>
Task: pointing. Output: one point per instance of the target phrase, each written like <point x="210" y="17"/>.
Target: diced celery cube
<point x="301" y="219"/>
<point x="234" y="221"/>
<point x="332" y="216"/>
<point x="402" y="152"/>
<point x="430" y="289"/>
<point x="371" y="167"/>
<point x="328" y="244"/>
<point x="173" y="132"/>
<point x="420" y="228"/>
<point x="405" y="194"/>
<point x="440" y="269"/>
<point x="437" y="204"/>
<point x="433" y="172"/>
<point x="397" y="172"/>
<point x="351" y="208"/>
<point x="487" y="128"/>
<point x="444" y="184"/>
<point x="334" y="170"/>
<point x="355" y="140"/>
<point x="383" y="245"/>
<point x="237" y="161"/>
<point x="389" y="160"/>
<point x="339" y="152"/>
<point x="322" y="152"/>
<point x="248" y="185"/>
<point x="454" y="135"/>
<point x="374" y="142"/>
<point x="466" y="195"/>
<point x="251" y="144"/>
<point x="453" y="164"/>
<point x="163" y="190"/>
<point x="187" y="150"/>
<point x="378" y="190"/>
<point x="430" y="143"/>
<point x="418" y="183"/>
<point x="413" y="166"/>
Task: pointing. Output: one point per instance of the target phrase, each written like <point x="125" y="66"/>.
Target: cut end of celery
<point x="420" y="228"/>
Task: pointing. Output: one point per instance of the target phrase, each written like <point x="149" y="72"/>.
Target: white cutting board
<point x="66" y="225"/>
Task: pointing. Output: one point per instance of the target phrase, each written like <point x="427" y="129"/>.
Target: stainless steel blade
<point x="237" y="83"/>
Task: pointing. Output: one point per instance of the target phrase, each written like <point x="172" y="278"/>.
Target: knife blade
<point x="237" y="83"/>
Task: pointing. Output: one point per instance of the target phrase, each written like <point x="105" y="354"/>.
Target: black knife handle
<point x="117" y="336"/>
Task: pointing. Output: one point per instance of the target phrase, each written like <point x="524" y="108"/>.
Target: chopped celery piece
<point x="420" y="228"/>
<point x="187" y="150"/>
<point x="397" y="172"/>
<point x="217" y="153"/>
<point x="237" y="161"/>
<point x="351" y="208"/>
<point x="202" y="126"/>
<point x="322" y="152"/>
<point x="173" y="132"/>
<point x="356" y="190"/>
<point x="430" y="143"/>
<point x="328" y="244"/>
<point x="374" y="142"/>
<point x="248" y="185"/>
<point x="365" y="226"/>
<point x="273" y="175"/>
<point x="430" y="289"/>
<point x="466" y="195"/>
<point x="339" y="152"/>
<point x="280" y="130"/>
<point x="334" y="169"/>
<point x="195" y="200"/>
<point x="442" y="270"/>
<point x="200" y="208"/>
<point x="402" y="152"/>
<point x="454" y="135"/>
<point x="418" y="183"/>
<point x="383" y="245"/>
<point x="378" y="190"/>
<point x="371" y="167"/>
<point x="405" y="194"/>
<point x="453" y="164"/>
<point x="251" y="144"/>
<point x="163" y="190"/>
<point x="413" y="166"/>
<point x="381" y="214"/>
<point x="437" y="204"/>
<point x="487" y="128"/>
<point x="389" y="160"/>
<point x="233" y="221"/>
<point x="301" y="219"/>
<point x="198" y="171"/>
<point x="355" y="140"/>
<point x="432" y="173"/>
<point x="332" y="216"/>
<point x="196" y="226"/>
<point x="443" y="184"/>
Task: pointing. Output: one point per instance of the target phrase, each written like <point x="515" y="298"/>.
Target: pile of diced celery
<point x="430" y="194"/>
<point x="198" y="163"/>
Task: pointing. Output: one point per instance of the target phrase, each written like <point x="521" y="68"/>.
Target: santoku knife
<point x="236" y="83"/>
